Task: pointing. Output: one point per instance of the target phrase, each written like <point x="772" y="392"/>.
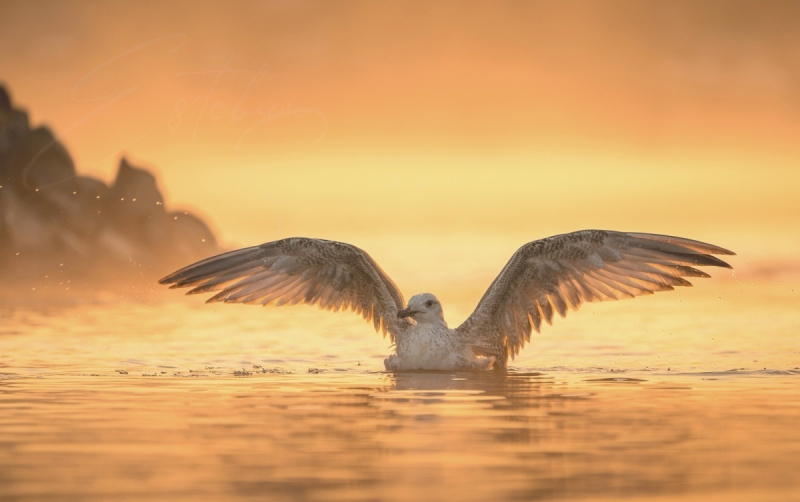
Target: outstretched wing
<point x="561" y="272"/>
<point x="333" y="275"/>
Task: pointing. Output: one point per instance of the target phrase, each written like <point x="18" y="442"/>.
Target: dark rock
<point x="133" y="201"/>
<point x="83" y="209"/>
<point x="13" y="126"/>
<point x="51" y="218"/>
<point x="5" y="120"/>
<point x="38" y="161"/>
<point x="134" y="193"/>
<point x="5" y="101"/>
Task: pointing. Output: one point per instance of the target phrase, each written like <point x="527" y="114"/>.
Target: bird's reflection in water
<point x="469" y="425"/>
<point x="512" y="405"/>
<point x="500" y="384"/>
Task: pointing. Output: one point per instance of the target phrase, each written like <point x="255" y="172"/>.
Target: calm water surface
<point x="146" y="396"/>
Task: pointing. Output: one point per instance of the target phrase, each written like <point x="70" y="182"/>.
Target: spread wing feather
<point x="559" y="273"/>
<point x="332" y="275"/>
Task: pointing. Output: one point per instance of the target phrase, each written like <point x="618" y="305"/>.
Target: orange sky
<point x="355" y="120"/>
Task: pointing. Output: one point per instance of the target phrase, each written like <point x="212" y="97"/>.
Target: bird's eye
<point x="429" y="303"/>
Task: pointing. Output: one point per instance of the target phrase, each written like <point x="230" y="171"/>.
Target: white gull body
<point x="429" y="344"/>
<point x="543" y="277"/>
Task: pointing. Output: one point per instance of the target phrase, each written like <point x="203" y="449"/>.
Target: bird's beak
<point x="406" y="313"/>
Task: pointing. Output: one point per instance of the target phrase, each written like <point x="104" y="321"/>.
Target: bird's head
<point x="423" y="308"/>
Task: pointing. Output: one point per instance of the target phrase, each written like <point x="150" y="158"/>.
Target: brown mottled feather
<point x="561" y="272"/>
<point x="332" y="275"/>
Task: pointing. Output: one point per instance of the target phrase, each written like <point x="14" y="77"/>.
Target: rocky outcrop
<point x="52" y="218"/>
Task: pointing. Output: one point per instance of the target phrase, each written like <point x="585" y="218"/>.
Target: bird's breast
<point x="426" y="342"/>
<point x="432" y="347"/>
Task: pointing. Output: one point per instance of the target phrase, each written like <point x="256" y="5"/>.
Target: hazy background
<point x="438" y="136"/>
<point x="467" y="127"/>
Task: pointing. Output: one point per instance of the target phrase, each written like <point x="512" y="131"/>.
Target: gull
<point x="542" y="278"/>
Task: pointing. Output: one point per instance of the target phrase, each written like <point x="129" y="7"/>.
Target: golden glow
<point x="439" y="137"/>
<point x="283" y="118"/>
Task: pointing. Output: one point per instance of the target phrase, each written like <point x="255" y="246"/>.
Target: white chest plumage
<point x="432" y="347"/>
<point x="426" y="344"/>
